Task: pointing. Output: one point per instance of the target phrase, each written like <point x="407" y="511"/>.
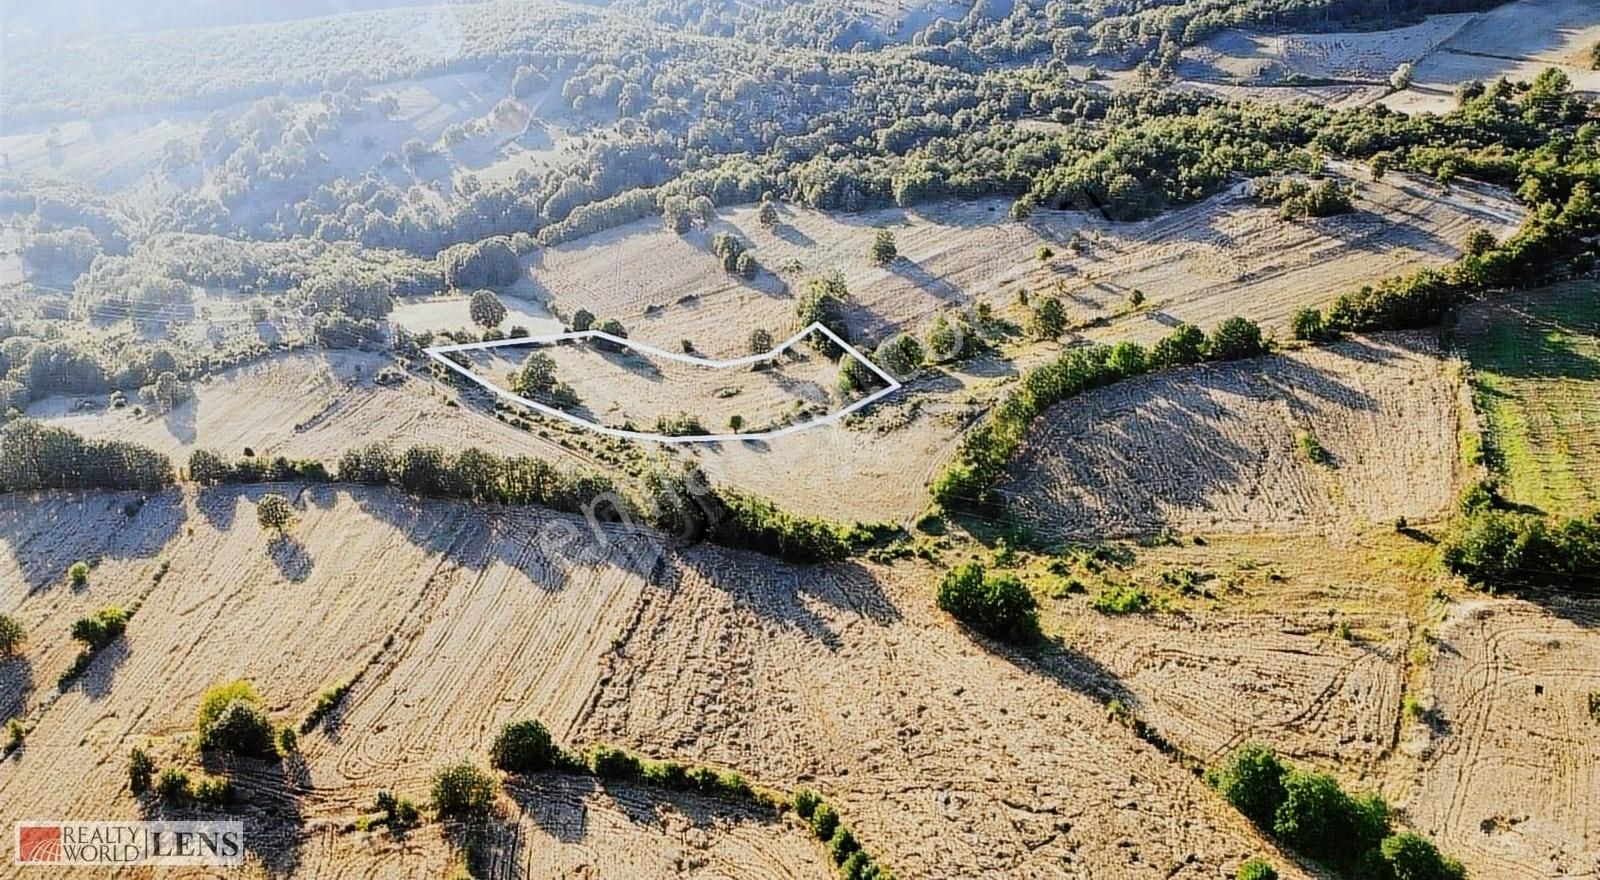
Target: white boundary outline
<point x="438" y="353"/>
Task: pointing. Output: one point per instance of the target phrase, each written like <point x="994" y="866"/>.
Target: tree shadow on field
<point x="268" y="801"/>
<point x="47" y="532"/>
<point x="290" y="556"/>
<point x="781" y="591"/>
<point x="790" y="234"/>
<point x="97" y="680"/>
<point x="547" y="547"/>
<point x="928" y="282"/>
<point x="556" y="802"/>
<point x="16" y="684"/>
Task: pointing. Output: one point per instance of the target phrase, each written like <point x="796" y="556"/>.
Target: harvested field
<point x="1212" y="683"/>
<point x="953" y="761"/>
<point x="1506" y="767"/>
<point x="478" y="620"/>
<point x="1535" y="360"/>
<point x="1225" y="447"/>
<point x="1518" y="41"/>
<point x="1224" y="256"/>
<point x="1364" y="56"/>
<point x="451" y="313"/>
<point x="631" y="388"/>
<point x="303" y="406"/>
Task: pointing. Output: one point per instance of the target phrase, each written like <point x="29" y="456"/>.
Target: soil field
<point x="953" y="761"/>
<point x="1535" y="360"/>
<point x="303" y="406"/>
<point x="1230" y="447"/>
<point x="471" y="617"/>
<point x="1365" y="57"/>
<point x="1507" y="768"/>
<point x="1224" y="256"/>
<point x="634" y="388"/>
<point x="1517" y="41"/>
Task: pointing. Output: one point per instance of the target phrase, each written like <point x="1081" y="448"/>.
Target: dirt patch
<point x="952" y="760"/>
<point x="1225" y="447"/>
<point x="1506" y="767"/>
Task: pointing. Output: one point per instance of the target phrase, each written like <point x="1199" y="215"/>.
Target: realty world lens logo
<point x="110" y="844"/>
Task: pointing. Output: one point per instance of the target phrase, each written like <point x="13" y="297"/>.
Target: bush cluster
<point x="1500" y="548"/>
<point x="34" y="457"/>
<point x="231" y="719"/>
<point x="1312" y="813"/>
<point x="995" y="604"/>
<point x="823" y="820"/>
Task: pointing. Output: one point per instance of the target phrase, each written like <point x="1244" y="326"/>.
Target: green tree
<point x="884" y="249"/>
<point x="760" y="341"/>
<point x="231" y="719"/>
<point x="486" y="309"/>
<point x="767" y="214"/>
<point x="462" y="791"/>
<point x="1183" y="346"/>
<point x="140" y="769"/>
<point x="997" y="605"/>
<point x="582" y="320"/>
<point x="1252" y="781"/>
<point x="1233" y="339"/>
<point x="1257" y="869"/>
<point x="523" y="747"/>
<point x="1049" y="318"/>
<point x="537" y="376"/>
<point x="274" y="512"/>
<point x="1306" y="324"/>
<point x="101" y="628"/>
<point x="1412" y="857"/>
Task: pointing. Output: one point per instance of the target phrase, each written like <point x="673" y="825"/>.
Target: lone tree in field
<point x="884" y="250"/>
<point x="486" y="309"/>
<point x="537" y="376"/>
<point x="274" y="512"/>
<point x="582" y="320"/>
<point x="760" y="341"/>
<point x="1400" y="80"/>
<point x="1049" y="318"/>
<point x="767" y="214"/>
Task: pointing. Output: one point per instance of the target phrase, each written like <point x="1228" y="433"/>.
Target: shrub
<point x="1306" y="324"/>
<point x="805" y="802"/>
<point x="1233" y="339"/>
<point x="1492" y="547"/>
<point x="612" y="327"/>
<point x="1313" y="450"/>
<point x="173" y="786"/>
<point x="824" y="821"/>
<point x="101" y="628"/>
<point x="12" y="634"/>
<point x="1257" y="869"/>
<point x="398" y="813"/>
<point x="1185" y="345"/>
<point x="900" y="354"/>
<point x="78" y="573"/>
<point x="140" y="769"/>
<point x="1122" y="599"/>
<point x="823" y="303"/>
<point x="884" y="249"/>
<point x="1318" y="818"/>
<point x="582" y="320"/>
<point x="287" y="741"/>
<point x="997" y="605"/>
<point x="946" y="341"/>
<point x="241" y="728"/>
<point x="760" y="341"/>
<point x="1412" y="857"/>
<point x="843" y="845"/>
<point x="462" y="791"/>
<point x="327" y="701"/>
<point x="231" y="719"/>
<point x="1251" y="780"/>
<point x="523" y="747"/>
<point x="1049" y="318"/>
<point x="274" y="512"/>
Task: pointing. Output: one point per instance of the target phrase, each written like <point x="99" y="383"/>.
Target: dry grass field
<point x="1232" y="447"/>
